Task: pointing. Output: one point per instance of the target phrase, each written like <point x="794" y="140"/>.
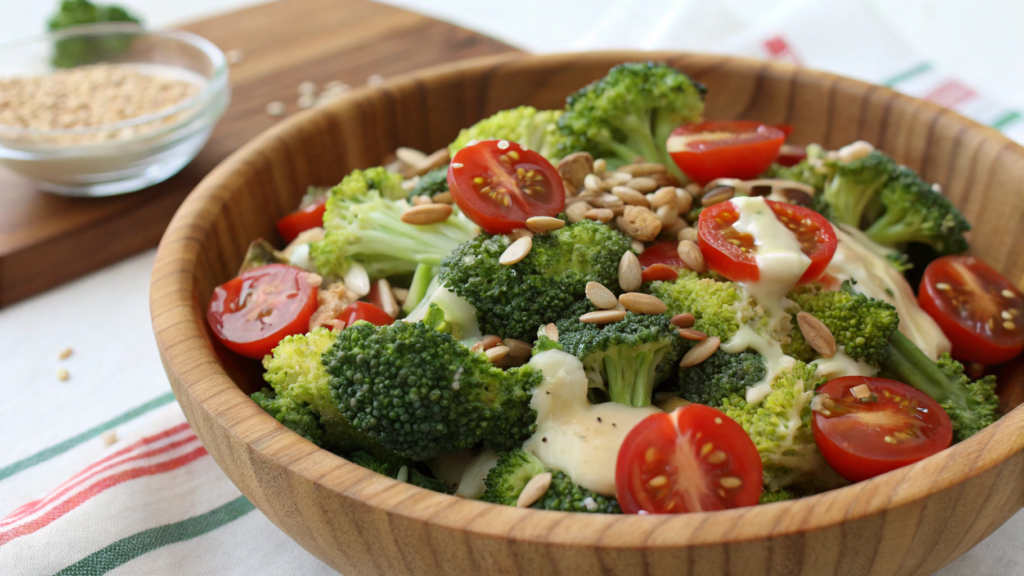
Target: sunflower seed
<point x="701" y="352"/>
<point x="691" y="334"/>
<point x="603" y="316"/>
<point x="410" y="156"/>
<point x="684" y="200"/>
<point x="817" y="334"/>
<point x="542" y="224"/>
<point x="600" y="214"/>
<point x="630" y="196"/>
<point x="443" y="198"/>
<point x="534" y="489"/>
<point x="576" y="167"/>
<point x="643" y="168"/>
<point x="642" y="303"/>
<point x="490" y="341"/>
<point x="667" y="214"/>
<point x="577" y="211"/>
<point x="593" y="184"/>
<point x="518" y="348"/>
<point x="600" y="296"/>
<point x="630" y="273"/>
<point x="691" y="256"/>
<point x="516" y="251"/>
<point x="687" y="234"/>
<point x="425" y="214"/>
<point x="643" y="184"/>
<point x="496" y="353"/>
<point x="600" y="165"/>
<point x="684" y="320"/>
<point x="551" y="331"/>
<point x="665" y="195"/>
<point x="387" y="298"/>
<point x="719" y="194"/>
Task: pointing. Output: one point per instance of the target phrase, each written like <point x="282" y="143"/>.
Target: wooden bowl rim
<point x="195" y="371"/>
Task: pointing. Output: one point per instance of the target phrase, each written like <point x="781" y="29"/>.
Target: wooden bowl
<point x="910" y="521"/>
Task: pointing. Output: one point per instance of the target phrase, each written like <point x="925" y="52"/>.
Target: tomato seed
<point x="651" y="455"/>
<point x="706" y="448"/>
<point x="1007" y="293"/>
<point x="730" y="482"/>
<point x="717" y="457"/>
<point x="658" y="481"/>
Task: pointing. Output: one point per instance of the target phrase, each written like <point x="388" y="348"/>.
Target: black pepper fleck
<point x="598" y="418"/>
<point x="544" y="439"/>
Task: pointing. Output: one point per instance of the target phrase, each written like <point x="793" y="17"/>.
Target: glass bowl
<point x="130" y="154"/>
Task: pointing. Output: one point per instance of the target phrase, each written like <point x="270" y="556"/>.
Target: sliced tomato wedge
<point x="299" y="221"/>
<point x="791" y="155"/>
<point x="357" y="311"/>
<point x="724" y="149"/>
<point x="666" y="253"/>
<point x="499" y="185"/>
<point x="251" y="313"/>
<point x="733" y="254"/>
<point x="658" y="272"/>
<point x="695" y="459"/>
<point x="978" y="309"/>
<point x="868" y="426"/>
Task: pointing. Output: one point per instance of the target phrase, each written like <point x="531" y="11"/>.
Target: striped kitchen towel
<point x="137" y="494"/>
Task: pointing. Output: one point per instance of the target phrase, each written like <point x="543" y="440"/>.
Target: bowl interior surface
<point x="979" y="169"/>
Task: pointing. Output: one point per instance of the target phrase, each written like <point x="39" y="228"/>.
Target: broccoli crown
<point x="543" y="344"/>
<point x="295" y="414"/>
<point x="861" y="325"/>
<point x="363" y="224"/>
<point x="71" y="52"/>
<point x="853" y="187"/>
<point x="632" y="111"/>
<point x="914" y="212"/>
<point x="420" y="393"/>
<point x="971" y="406"/>
<point x="534" y="129"/>
<point x="506" y="480"/>
<point x="718" y="306"/>
<point x="513" y="301"/>
<point x="432" y="183"/>
<point x="627" y="358"/>
<point x="392" y="468"/>
<point x="777" y="496"/>
<point x="780" y="426"/>
<point x="720" y="376"/>
<point x="300" y="384"/>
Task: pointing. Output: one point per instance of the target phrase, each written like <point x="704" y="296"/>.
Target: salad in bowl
<point x="621" y="307"/>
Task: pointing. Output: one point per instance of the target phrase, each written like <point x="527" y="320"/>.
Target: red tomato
<point x="791" y="155"/>
<point x="499" y="184"/>
<point x="357" y="311"/>
<point x="980" y="312"/>
<point x="733" y="255"/>
<point x="658" y="272"/>
<point x="251" y="313"/>
<point x="695" y="459"/>
<point x="724" y="149"/>
<point x="661" y="253"/>
<point x="299" y="221"/>
<point x="887" y="425"/>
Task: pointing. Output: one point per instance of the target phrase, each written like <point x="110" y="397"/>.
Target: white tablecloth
<point x="98" y="473"/>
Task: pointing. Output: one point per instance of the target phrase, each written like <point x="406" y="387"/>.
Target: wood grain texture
<point x="46" y="240"/>
<point x="911" y="521"/>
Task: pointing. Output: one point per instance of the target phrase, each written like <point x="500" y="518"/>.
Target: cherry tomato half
<point x="695" y="459"/>
<point x="733" y="254"/>
<point x="658" y="272"/>
<point x="724" y="149"/>
<point x="498" y="184"/>
<point x="791" y="155"/>
<point x="299" y="221"/>
<point x="251" y="313"/>
<point x="666" y="253"/>
<point x="357" y="311"/>
<point x="874" y="425"/>
<point x="978" y="309"/>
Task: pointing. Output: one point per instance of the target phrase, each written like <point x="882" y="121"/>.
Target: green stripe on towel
<point x="131" y="547"/>
<point x="58" y="449"/>
<point x="1006" y="119"/>
<point x="908" y="74"/>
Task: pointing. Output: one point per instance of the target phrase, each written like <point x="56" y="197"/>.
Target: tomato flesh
<point x="978" y="309"/>
<point x="724" y="149"/>
<point x="734" y="254"/>
<point x="251" y="313"/>
<point x="869" y="426"/>
<point x="791" y="155"/>
<point x="666" y="253"/>
<point x="658" y="272"/>
<point x="357" y="311"/>
<point x="499" y="185"/>
<point x="695" y="459"/>
<point x="299" y="221"/>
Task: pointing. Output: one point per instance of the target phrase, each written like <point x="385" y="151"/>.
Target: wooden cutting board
<point x="46" y="240"/>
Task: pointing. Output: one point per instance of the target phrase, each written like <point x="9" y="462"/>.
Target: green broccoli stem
<point x="906" y="363"/>
<point x="893" y="230"/>
<point x="418" y="287"/>
<point x="663" y="128"/>
<point x="639" y="137"/>
<point x="631" y="372"/>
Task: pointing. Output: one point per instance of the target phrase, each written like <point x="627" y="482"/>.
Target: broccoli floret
<point x="446" y="311"/>
<point x="632" y="111"/>
<point x="543" y="344"/>
<point x="780" y="426"/>
<point x="71" y="52"/>
<point x="809" y="171"/>
<point x="432" y="183"/>
<point x="777" y="496"/>
<point x="914" y="212"/>
<point x="363" y="225"/>
<point x="853" y="187"/>
<point x="720" y="376"/>
<point x="420" y="393"/>
<point x="295" y="414"/>
<point x="393" y="469"/>
<point x="515" y="468"/>
<point x="534" y="129"/>
<point x="718" y="306"/>
<point x="971" y="406"/>
<point x="627" y="358"/>
<point x="861" y="325"/>
<point x="513" y="301"/>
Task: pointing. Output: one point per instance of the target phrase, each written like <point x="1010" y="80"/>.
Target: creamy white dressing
<point x="573" y="435"/>
<point x="776" y="361"/>
<point x="861" y="259"/>
<point x="780" y="261"/>
<point x="841" y="364"/>
<point x="471" y="485"/>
